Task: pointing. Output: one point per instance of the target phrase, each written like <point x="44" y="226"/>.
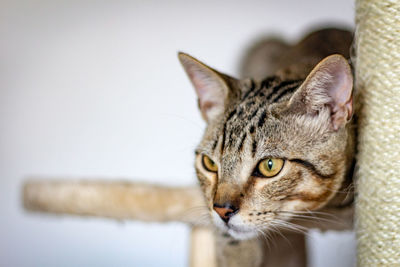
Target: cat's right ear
<point x="210" y="86"/>
<point x="329" y="85"/>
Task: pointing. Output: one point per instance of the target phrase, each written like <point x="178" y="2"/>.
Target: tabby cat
<point x="277" y="146"/>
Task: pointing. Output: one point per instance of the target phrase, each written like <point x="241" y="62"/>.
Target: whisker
<point x="266" y="237"/>
<point x="310" y="216"/>
<point x="314" y="217"/>
<point x="289" y="226"/>
<point x="310" y="213"/>
<point x="278" y="231"/>
<point x="318" y="219"/>
<point x="346" y="190"/>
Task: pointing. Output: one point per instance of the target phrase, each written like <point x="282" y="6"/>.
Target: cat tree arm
<point x="116" y="200"/>
<point x="127" y="201"/>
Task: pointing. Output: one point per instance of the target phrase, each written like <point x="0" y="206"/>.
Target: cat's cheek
<point x="300" y="205"/>
<point x="295" y="205"/>
<point x="311" y="185"/>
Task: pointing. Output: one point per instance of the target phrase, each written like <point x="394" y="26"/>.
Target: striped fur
<point x="260" y="121"/>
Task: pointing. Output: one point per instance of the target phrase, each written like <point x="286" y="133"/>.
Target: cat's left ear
<point x="329" y="85"/>
<point x="210" y="85"/>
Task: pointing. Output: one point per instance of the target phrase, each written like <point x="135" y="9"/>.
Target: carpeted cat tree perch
<point x="377" y="70"/>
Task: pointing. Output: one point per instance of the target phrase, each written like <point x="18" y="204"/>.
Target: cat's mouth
<point x="236" y="228"/>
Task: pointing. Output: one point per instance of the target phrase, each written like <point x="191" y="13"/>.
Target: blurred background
<point x="94" y="90"/>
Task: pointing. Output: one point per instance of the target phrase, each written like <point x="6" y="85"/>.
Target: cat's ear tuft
<point x="210" y="86"/>
<point x="329" y="85"/>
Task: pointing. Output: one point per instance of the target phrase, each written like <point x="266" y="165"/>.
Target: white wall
<point x="94" y="89"/>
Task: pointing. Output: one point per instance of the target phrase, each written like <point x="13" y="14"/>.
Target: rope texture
<point x="378" y="177"/>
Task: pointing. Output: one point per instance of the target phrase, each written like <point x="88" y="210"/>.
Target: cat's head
<point x="273" y="148"/>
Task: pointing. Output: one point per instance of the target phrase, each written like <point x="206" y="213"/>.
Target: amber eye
<point x="269" y="167"/>
<point x="209" y="164"/>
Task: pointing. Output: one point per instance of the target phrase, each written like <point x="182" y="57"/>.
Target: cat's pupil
<point x="270" y="164"/>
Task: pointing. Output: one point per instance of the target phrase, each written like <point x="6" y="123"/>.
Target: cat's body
<point x="277" y="148"/>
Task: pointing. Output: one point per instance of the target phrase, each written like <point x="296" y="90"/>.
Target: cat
<point x="278" y="146"/>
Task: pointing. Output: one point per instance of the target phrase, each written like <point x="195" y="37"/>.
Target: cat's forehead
<point x="249" y="118"/>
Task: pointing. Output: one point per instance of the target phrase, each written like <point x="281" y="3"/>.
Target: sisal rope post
<point x="377" y="65"/>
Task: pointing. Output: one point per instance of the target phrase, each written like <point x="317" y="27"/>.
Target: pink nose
<point x="225" y="211"/>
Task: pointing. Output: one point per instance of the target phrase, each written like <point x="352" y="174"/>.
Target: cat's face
<point x="271" y="149"/>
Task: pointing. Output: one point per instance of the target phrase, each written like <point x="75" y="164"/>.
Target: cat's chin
<point x="241" y="235"/>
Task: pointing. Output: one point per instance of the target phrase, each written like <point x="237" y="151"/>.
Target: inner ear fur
<point x="329" y="85"/>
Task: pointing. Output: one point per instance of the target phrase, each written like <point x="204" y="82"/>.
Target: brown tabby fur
<point x="256" y="123"/>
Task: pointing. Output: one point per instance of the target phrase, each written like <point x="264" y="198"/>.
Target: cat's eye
<point x="209" y="164"/>
<point x="269" y="167"/>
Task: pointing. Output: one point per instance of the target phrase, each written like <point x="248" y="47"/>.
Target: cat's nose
<point x="225" y="211"/>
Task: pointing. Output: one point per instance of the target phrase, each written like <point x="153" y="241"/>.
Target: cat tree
<point x="377" y="67"/>
<point x="377" y="70"/>
<point x="128" y="201"/>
